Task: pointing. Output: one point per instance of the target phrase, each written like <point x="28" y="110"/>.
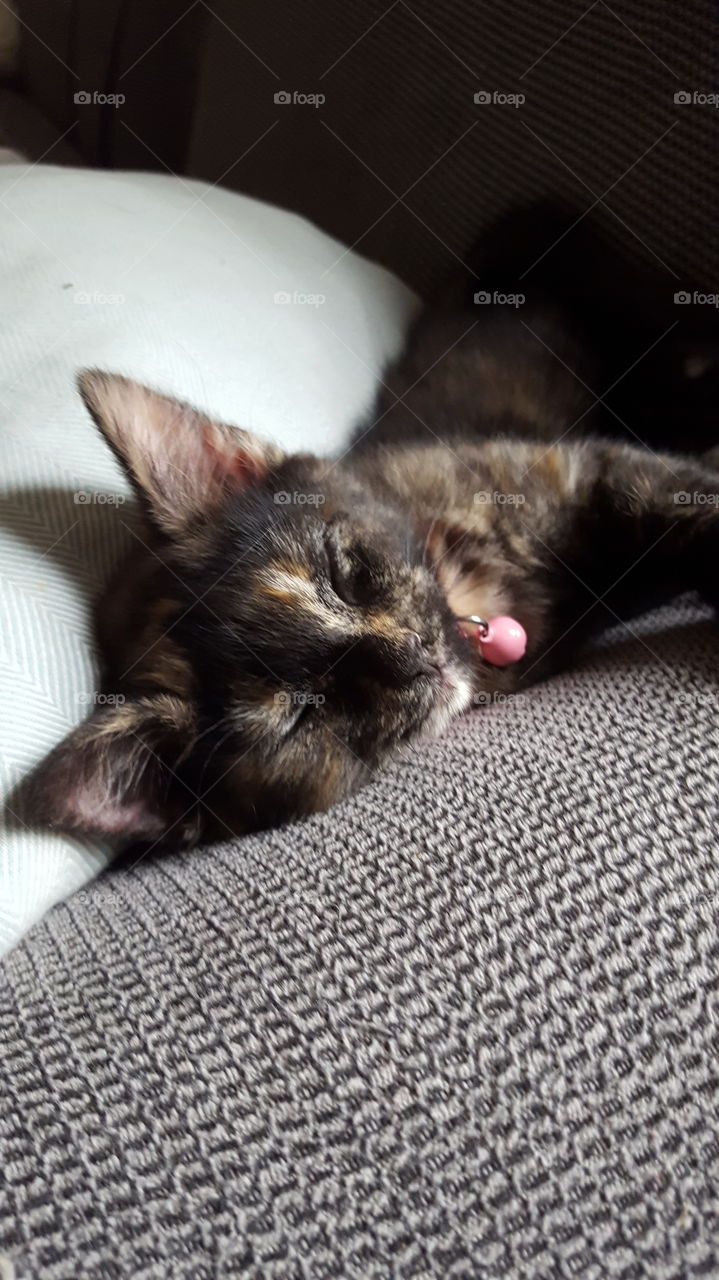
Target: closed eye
<point x="337" y="573"/>
<point x="350" y="575"/>
<point x="300" y="719"/>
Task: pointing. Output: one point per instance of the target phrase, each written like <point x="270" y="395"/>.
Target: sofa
<point x="465" y="1024"/>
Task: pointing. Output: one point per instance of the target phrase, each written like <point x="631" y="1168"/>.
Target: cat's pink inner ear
<point x="113" y="776"/>
<point x="248" y="464"/>
<point x="181" y="462"/>
<point x="88" y="808"/>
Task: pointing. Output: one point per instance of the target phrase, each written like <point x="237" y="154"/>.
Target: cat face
<point x="282" y="635"/>
<point x="322" y="642"/>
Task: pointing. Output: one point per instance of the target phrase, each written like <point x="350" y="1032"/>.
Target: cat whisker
<point x="220" y="743"/>
<point x="425" y="549"/>
<point x="217" y="724"/>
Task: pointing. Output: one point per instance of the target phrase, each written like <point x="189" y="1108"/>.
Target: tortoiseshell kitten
<point x="290" y="621"/>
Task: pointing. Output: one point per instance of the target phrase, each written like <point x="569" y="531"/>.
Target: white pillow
<point x="246" y="310"/>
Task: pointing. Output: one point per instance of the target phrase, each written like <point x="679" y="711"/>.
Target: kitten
<point x="287" y="622"/>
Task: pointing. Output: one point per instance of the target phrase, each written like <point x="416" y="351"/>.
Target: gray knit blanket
<point x="463" y="1026"/>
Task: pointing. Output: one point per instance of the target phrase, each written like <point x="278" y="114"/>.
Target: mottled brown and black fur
<point x="287" y="622"/>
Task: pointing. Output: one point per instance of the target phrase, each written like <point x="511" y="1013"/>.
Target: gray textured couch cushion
<point x="465" y="1025"/>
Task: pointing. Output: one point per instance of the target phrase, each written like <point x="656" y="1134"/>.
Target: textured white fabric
<point x="244" y="309"/>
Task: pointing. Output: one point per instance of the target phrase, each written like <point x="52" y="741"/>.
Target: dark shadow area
<point x="83" y="532"/>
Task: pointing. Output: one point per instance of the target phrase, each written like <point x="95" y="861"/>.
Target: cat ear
<point x="114" y="777"/>
<point x="181" y="463"/>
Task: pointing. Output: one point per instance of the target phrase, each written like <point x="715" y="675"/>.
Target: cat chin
<point x="454" y="697"/>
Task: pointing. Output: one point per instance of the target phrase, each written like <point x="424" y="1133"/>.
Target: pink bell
<point x="501" y="641"/>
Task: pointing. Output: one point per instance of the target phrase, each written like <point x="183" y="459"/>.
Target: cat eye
<point x="301" y="714"/>
<point x="350" y="574"/>
<point x="300" y="720"/>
